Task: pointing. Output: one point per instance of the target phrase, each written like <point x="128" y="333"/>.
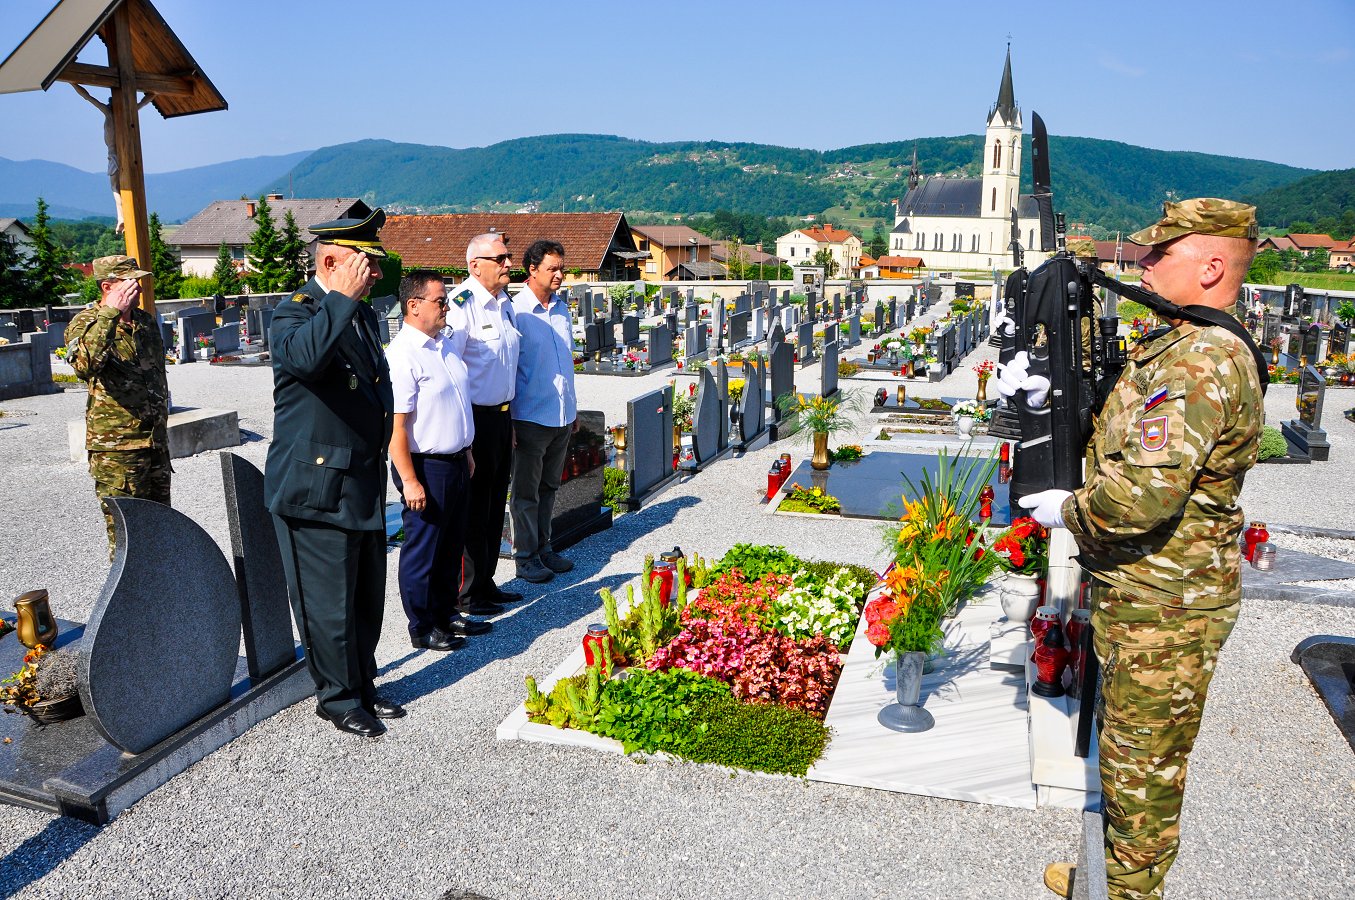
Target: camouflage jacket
<point x="1158" y="513"/>
<point x="124" y="363"/>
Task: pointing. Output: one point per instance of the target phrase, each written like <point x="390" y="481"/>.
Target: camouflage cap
<point x="119" y="267"/>
<point x="1202" y="215"/>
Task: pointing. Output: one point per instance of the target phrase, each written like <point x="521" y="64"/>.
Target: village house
<point x="598" y="246"/>
<point x="232" y="222"/>
<point x="677" y="253"/>
<point x="800" y="246"/>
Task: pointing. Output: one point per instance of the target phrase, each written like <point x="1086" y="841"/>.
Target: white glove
<point x="1004" y="325"/>
<point x="1046" y="507"/>
<point x="1015" y="377"/>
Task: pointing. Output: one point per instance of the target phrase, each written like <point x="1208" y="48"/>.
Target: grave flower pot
<point x="904" y="714"/>
<point x="821" y="458"/>
<point x="1020" y="596"/>
<point x="965" y="426"/>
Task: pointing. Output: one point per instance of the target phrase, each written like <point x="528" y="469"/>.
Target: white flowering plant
<point x="811" y="607"/>
<point x="970" y="408"/>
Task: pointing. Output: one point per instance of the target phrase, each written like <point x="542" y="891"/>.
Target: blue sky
<point x="1259" y="80"/>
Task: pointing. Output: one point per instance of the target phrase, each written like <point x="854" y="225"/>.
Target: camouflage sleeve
<point x="89" y="340"/>
<point x="1151" y="455"/>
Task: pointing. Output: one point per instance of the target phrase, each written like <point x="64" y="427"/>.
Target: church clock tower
<point x="1002" y="151"/>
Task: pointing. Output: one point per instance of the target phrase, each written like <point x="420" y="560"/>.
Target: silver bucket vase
<point x="904" y="714"/>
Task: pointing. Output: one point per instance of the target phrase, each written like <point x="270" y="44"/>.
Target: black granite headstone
<point x="230" y="314"/>
<point x="777" y="334"/>
<point x="630" y="330"/>
<point x="828" y="374"/>
<point x="226" y="339"/>
<point x="1312" y="338"/>
<point x="1306" y="431"/>
<point x="837" y="306"/>
<point x="782" y="363"/>
<point x="592" y="338"/>
<point x="881" y="322"/>
<point x="753" y="412"/>
<point x="805" y="343"/>
<point x="259" y="579"/>
<point x="812" y="306"/>
<point x="853" y="329"/>
<point x="738" y="328"/>
<point x="660" y="345"/>
<point x="722" y="393"/>
<point x="649" y="440"/>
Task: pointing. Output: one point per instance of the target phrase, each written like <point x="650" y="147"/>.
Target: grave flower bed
<point x="739" y="674"/>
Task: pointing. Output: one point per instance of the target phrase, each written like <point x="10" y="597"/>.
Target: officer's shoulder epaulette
<point x="462" y="296"/>
<point x="300" y="297"/>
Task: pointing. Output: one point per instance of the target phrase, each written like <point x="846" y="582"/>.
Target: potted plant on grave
<point x="905" y="622"/>
<point x="819" y="418"/>
<point x="967" y="413"/>
<point x="45" y="688"/>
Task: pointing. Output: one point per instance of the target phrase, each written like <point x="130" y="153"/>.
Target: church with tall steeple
<point x="965" y="223"/>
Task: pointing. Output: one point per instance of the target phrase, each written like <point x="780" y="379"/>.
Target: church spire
<point x="914" y="175"/>
<point x="1006" y="95"/>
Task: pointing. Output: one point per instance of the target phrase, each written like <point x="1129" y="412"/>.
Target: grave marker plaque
<point x="226" y="339"/>
<point x="782" y="362"/>
<point x="706" y="417"/>
<point x="649" y="440"/>
<point x="738" y="329"/>
<point x="1306" y="431"/>
<point x="854" y="329"/>
<point x="660" y="345"/>
<point x="828" y="371"/>
<point x="805" y="343"/>
<point x="753" y="412"/>
<point x="630" y="330"/>
<point x="879" y="317"/>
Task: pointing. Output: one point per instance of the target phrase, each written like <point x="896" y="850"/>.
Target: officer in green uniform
<point x="1157" y="525"/>
<point x="116" y="347"/>
<point x="324" y="481"/>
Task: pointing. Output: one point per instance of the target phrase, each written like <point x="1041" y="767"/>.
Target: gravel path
<point x="294" y="809"/>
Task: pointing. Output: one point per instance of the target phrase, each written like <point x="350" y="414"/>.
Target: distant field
<point x="1328" y="281"/>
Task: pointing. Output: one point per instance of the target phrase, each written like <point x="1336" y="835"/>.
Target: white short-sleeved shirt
<point x="430" y="384"/>
<point x="483" y="335"/>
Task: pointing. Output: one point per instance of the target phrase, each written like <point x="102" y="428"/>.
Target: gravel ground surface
<point x="295" y="809"/>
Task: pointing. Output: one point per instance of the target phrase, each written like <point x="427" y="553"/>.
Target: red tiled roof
<point x="1277" y="243"/>
<point x="1313" y="241"/>
<point x="866" y="260"/>
<point x="900" y="262"/>
<point x="1130" y="253"/>
<point x="827" y="234"/>
<point x="441" y="240"/>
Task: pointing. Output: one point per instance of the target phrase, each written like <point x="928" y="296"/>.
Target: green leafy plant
<point x="809" y="500"/>
<point x="846" y="368"/>
<point x="820" y="415"/>
<point x="615" y="489"/>
<point x="847" y="453"/>
<point x="884" y="435"/>
<point x="1345" y="311"/>
<point x="654" y="711"/>
<point x="1272" y="444"/>
<point x="757" y="560"/>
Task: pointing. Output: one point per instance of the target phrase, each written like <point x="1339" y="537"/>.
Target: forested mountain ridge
<point x="1108" y="183"/>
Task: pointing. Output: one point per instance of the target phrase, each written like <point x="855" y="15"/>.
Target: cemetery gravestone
<point x="753" y="414"/>
<point x="1306" y="431"/>
<point x="828" y="374"/>
<point x="759" y="323"/>
<point x="722" y="393"/>
<point x="10" y="333"/>
<point x="706" y="418"/>
<point x="630" y="331"/>
<point x="718" y="323"/>
<point x="837" y="306"/>
<point x="893" y="313"/>
<point x="880" y="322"/>
<point x="230" y="314"/>
<point x="738" y="329"/>
<point x="186" y="609"/>
<point x="660" y="346"/>
<point x="261" y="585"/>
<point x="777" y="335"/>
<point x="805" y="343"/>
<point x="854" y="329"/>
<point x="592" y="338"/>
<point x="649" y="440"/>
<point x="782" y="363"/>
<point x="1311" y="345"/>
<point x="226" y="339"/>
<point x="694" y="345"/>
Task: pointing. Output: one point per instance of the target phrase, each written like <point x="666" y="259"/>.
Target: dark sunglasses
<point x="500" y="259"/>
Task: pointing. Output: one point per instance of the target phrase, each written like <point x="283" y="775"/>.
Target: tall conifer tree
<point x="224" y="275"/>
<point x="264" y="251"/>
<point x="163" y="266"/>
<point x="293" y="256"/>
<point x="49" y="277"/>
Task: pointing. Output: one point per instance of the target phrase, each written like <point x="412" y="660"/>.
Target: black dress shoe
<point x="480" y="607"/>
<point x="508" y="596"/>
<point x="436" y="640"/>
<point x="386" y="709"/>
<point x="358" y="721"/>
<point x="466" y="628"/>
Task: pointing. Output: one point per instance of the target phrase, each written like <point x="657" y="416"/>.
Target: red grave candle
<point x="593" y="643"/>
<point x="663" y="574"/>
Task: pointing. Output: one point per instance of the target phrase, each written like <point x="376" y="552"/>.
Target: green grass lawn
<point x="1323" y="281"/>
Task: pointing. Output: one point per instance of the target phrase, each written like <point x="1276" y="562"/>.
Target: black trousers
<point x="336" y="580"/>
<point x="493" y="450"/>
<point x="435" y="538"/>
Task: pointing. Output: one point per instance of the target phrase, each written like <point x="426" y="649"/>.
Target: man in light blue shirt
<point x="544" y="409"/>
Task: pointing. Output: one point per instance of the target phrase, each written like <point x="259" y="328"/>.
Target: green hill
<point x="1115" y="185"/>
<point x="1326" y="194"/>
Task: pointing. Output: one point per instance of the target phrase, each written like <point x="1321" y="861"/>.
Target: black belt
<point x="492" y="407"/>
<point x="443" y="457"/>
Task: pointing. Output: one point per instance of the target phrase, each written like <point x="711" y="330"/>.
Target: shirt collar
<point x="417" y="337"/>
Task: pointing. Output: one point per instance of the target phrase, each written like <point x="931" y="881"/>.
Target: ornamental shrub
<point x="761" y="737"/>
<point x="814" y="608"/>
<point x="653" y="711"/>
<point x="1273" y="445"/>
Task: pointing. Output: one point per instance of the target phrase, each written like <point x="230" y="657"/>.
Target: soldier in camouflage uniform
<point x="1157" y="525"/>
<point x="116" y="347"/>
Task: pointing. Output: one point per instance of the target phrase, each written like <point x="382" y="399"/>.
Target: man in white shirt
<point x="544" y="410"/>
<point x="480" y="316"/>
<point x="431" y="463"/>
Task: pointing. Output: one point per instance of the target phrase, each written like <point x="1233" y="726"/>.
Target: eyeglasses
<point x="440" y="301"/>
<point x="500" y="259"/>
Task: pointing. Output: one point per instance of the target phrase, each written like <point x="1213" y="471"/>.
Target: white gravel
<point x="294" y="809"/>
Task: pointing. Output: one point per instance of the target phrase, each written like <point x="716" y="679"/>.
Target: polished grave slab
<point x="872" y="487"/>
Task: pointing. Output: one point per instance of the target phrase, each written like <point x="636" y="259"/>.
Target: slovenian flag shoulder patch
<point x="1157" y="397"/>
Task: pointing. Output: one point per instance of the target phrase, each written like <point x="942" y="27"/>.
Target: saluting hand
<point x="351" y="278"/>
<point x="123" y="296"/>
<point x="414" y="495"/>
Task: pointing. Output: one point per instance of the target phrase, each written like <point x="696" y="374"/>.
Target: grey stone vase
<point x="904" y="714"/>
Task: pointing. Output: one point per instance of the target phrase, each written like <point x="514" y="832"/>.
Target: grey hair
<point x="479" y="244"/>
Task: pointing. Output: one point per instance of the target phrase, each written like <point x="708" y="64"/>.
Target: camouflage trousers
<point x="1156" y="664"/>
<point x="129" y="473"/>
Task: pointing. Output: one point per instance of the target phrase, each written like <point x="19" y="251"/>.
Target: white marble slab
<point x="1053" y="764"/>
<point x="979" y="749"/>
